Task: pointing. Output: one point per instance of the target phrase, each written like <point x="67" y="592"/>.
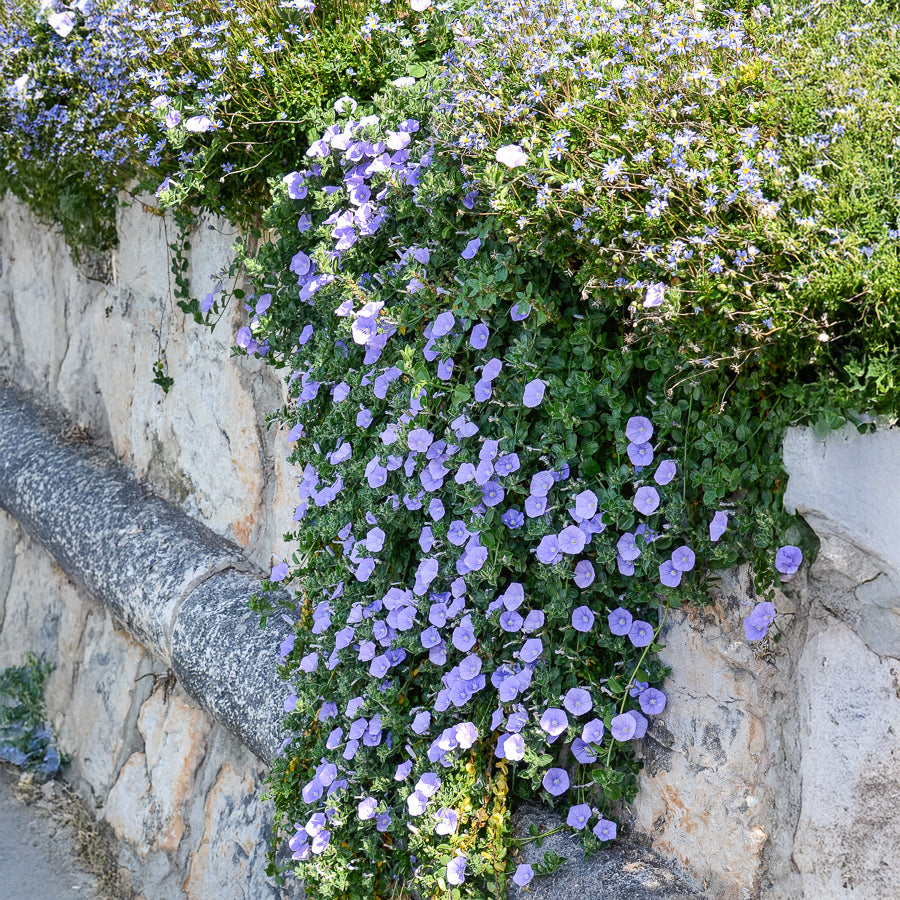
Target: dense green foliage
<point x="547" y="281"/>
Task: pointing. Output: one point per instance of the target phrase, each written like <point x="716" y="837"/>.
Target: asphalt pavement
<point x="37" y="852"/>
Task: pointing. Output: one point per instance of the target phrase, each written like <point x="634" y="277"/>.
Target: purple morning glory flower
<point x="623" y="727"/>
<point x="583" y="752"/>
<point x="363" y="418"/>
<point x="436" y="509"/>
<point x="463" y="635"/>
<point x="640" y="633"/>
<point x="540" y="484"/>
<point x="511" y="621"/>
<point x="479" y="337"/>
<point x="638" y="430"/>
<point x="592" y="733"/>
<point x="513" y="518"/>
<point x="523" y="875"/>
<point x="627" y="547"/>
<point x="366" y="808"/>
<point x="683" y="559"/>
<point x="652" y="701"/>
<point x="586" y="504"/>
<point x="457" y="533"/>
<point x="533" y="621"/>
<point x="579" y="816"/>
<point x="416" y="803"/>
<point x="279" y="572"/>
<point x="665" y="472"/>
<point x="513" y="596"/>
<point x="534" y="393"/>
<point x="421" y="722"/>
<point x="554" y="721"/>
<point x="507" y="464"/>
<point x="456" y="870"/>
<point x="531" y="650"/>
<point x="668" y="574"/>
<point x="578" y="701"/>
<point x="520" y="311"/>
<point x="654" y="295"/>
<point x="443" y="324"/>
<point x="471" y="248"/>
<point x="446" y="821"/>
<point x="620" y="621"/>
<point x="571" y="540"/>
<point x="584" y="574"/>
<point x="419" y="440"/>
<point x="788" y="559"/>
<point x="535" y="506"/>
<point x="718" y="525"/>
<point x="641" y="723"/>
<point x="605" y="830"/>
<point x="556" y="781"/>
<point x="492" y="494"/>
<point x="582" y="619"/>
<point x="646" y="500"/>
<point x="548" y="550"/>
<point x="514" y="747"/>
<point x="754" y="629"/>
<point x="491" y="369"/>
<point x="640" y="454"/>
<point x="483" y="390"/>
<point x="445" y="369"/>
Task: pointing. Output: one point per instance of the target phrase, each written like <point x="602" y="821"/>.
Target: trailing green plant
<point x="63" y="146"/>
<point x="537" y="397"/>
<point x="229" y="92"/>
<point x="26" y="740"/>
<point x="544" y="308"/>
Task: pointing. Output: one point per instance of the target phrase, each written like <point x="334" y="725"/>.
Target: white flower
<point x="420" y="5"/>
<point x="511" y="155"/>
<point x="62" y="23"/>
<point x="198" y="124"/>
<point x="344" y="104"/>
<point x="405" y="81"/>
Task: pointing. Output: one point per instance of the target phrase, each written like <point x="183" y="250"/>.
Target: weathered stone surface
<point x="850" y="481"/>
<point x="625" y="871"/>
<point x="223" y="658"/>
<point x="703" y="796"/>
<point x="233" y="866"/>
<point x="174" y="735"/>
<point x="849" y="831"/>
<point x="130" y="792"/>
<point x="127" y="547"/>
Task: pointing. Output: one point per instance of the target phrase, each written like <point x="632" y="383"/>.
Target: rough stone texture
<point x="848" y="832"/>
<point x="848" y="484"/>
<point x="703" y="797"/>
<point x="89" y="348"/>
<point x="625" y="871"/>
<point x="179" y="791"/>
<point x="223" y="658"/>
<point x="134" y="551"/>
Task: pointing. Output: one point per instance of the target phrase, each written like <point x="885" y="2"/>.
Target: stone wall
<point x="773" y="774"/>
<point x="179" y="791"/>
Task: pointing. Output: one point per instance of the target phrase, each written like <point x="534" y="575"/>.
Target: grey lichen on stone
<point x="624" y="870"/>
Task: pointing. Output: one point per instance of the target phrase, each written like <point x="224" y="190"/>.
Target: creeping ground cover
<point x="546" y="282"/>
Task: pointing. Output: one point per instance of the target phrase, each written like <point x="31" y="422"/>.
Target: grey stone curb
<point x="177" y="587"/>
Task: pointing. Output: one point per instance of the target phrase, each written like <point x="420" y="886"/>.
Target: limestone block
<point x="33" y="606"/>
<point x="859" y="589"/>
<point x="92" y="725"/>
<point x="703" y="798"/>
<point x="129" y="803"/>
<point x="231" y="858"/>
<point x="848" y="482"/>
<point x="174" y="735"/>
<point x="9" y="539"/>
<point x="849" y="831"/>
